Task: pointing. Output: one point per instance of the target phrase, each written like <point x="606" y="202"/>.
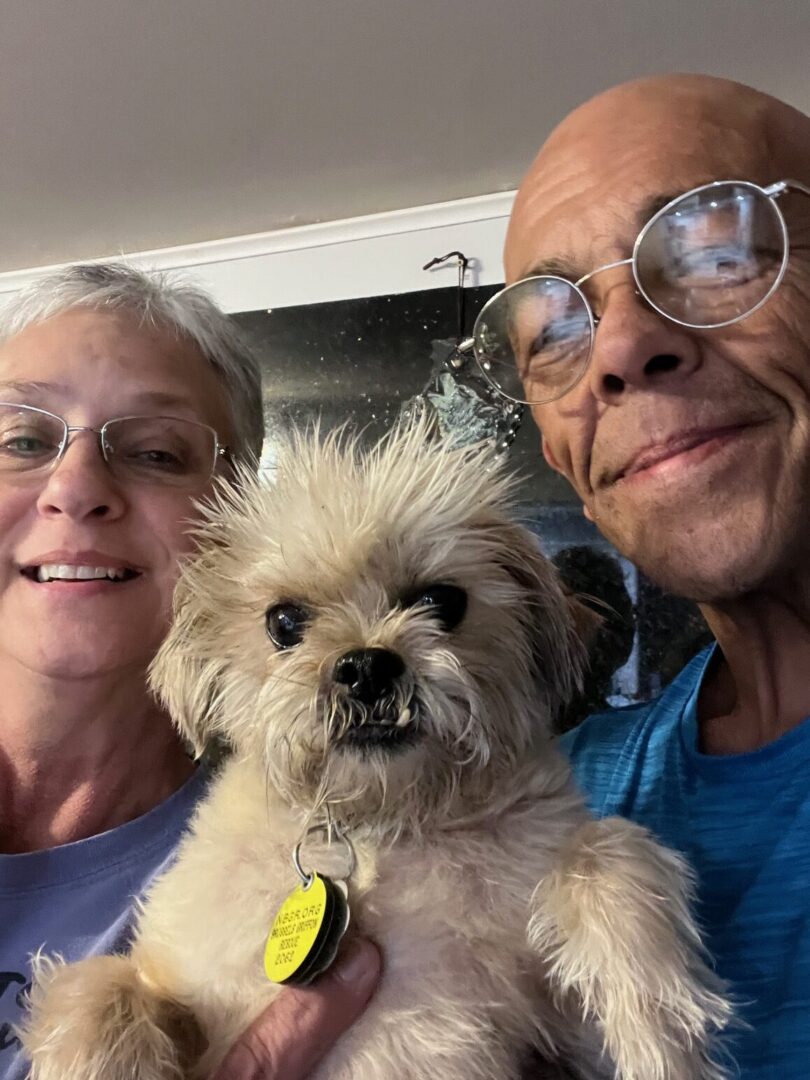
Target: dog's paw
<point x="99" y="1020"/>
<point x="614" y="925"/>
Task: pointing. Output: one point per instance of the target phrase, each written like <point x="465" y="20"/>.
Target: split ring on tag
<point x="330" y="830"/>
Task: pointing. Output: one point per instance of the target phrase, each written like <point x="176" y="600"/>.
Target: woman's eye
<point x="447" y="603"/>
<point x="25" y="445"/>
<point x="286" y="624"/>
<point x="158" y="459"/>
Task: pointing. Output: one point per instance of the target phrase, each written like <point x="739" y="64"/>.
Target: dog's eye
<point x="286" y="624"/>
<point x="447" y="603"/>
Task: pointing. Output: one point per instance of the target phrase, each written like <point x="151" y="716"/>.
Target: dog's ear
<point x="587" y="621"/>
<point x="184" y="675"/>
<point x="560" y="626"/>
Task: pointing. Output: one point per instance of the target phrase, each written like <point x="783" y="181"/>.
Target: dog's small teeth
<point x="404" y="718"/>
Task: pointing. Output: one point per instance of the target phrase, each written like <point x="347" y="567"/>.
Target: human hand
<point x="292" y="1035"/>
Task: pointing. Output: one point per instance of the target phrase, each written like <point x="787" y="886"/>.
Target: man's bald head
<point x="689" y="128"/>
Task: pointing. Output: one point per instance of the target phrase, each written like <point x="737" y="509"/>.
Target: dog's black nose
<point x="369" y="673"/>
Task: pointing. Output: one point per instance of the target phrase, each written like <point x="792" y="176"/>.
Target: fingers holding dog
<point x="290" y="1037"/>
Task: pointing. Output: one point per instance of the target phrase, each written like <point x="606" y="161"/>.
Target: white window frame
<point x="376" y="255"/>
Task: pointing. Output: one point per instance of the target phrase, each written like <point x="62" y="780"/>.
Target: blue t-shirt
<point x="77" y="900"/>
<point x="743" y="822"/>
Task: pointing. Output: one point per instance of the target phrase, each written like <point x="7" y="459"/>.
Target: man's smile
<point x="674" y="453"/>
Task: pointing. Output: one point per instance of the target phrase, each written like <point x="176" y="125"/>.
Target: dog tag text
<point x="306" y="932"/>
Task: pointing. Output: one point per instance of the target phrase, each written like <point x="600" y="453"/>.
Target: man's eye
<point x="447" y="603"/>
<point x="286" y="624"/>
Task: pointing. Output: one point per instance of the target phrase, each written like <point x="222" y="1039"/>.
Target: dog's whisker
<point x="276" y="676"/>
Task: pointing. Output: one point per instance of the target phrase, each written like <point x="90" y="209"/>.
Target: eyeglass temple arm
<point x="783" y="186"/>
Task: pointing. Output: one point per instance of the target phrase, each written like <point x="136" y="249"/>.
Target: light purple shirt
<point x="77" y="900"/>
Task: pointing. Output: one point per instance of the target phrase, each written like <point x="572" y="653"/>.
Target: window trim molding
<point x="374" y="255"/>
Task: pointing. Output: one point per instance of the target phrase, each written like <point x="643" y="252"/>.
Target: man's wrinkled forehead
<point x="612" y="164"/>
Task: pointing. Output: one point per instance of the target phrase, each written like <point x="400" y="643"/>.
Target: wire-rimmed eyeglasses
<point x="707" y="259"/>
<point x="163" y="450"/>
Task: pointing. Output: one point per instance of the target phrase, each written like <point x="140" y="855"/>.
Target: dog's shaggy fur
<point x="507" y="917"/>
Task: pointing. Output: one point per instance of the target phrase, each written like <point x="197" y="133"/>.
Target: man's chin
<point x="703" y="553"/>
<point x="706" y="572"/>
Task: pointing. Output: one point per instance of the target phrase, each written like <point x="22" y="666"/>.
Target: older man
<point x="668" y="362"/>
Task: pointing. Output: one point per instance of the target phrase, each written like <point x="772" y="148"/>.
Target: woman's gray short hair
<point x="158" y="300"/>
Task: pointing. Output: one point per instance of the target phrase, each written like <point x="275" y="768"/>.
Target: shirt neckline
<point x="793" y="745"/>
<point x="29" y="870"/>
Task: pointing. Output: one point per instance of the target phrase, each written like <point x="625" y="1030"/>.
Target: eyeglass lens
<point x="712" y="257"/>
<point x="536" y="334"/>
<point x="707" y="260"/>
<point x="162" y="450"/>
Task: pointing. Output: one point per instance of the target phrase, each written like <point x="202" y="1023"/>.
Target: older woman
<point x="120" y="398"/>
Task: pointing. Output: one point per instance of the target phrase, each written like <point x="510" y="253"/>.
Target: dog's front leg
<point x="611" y="923"/>
<point x="100" y="1019"/>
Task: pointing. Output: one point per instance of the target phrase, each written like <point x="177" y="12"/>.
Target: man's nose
<point x="636" y="348"/>
<point x="80" y="484"/>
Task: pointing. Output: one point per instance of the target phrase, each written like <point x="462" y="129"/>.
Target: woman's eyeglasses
<point x="164" y="450"/>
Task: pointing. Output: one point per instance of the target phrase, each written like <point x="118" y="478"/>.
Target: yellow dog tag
<point x="295" y="930"/>
<point x="309" y="927"/>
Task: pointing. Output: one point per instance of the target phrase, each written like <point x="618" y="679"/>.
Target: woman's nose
<point x="80" y="483"/>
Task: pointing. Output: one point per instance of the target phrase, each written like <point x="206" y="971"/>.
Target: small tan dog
<point x="380" y="642"/>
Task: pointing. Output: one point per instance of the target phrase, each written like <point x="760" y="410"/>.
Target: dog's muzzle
<point x="374" y="708"/>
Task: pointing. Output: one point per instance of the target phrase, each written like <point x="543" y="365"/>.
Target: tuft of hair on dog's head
<point x="374" y="626"/>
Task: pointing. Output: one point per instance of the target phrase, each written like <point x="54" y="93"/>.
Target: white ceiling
<point x="127" y="125"/>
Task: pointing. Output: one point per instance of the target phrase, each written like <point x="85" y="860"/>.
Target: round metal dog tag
<point x="306" y="932"/>
<point x="295" y="929"/>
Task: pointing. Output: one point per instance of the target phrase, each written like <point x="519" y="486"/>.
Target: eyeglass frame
<point x="772" y="192"/>
<point x="220" y="450"/>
